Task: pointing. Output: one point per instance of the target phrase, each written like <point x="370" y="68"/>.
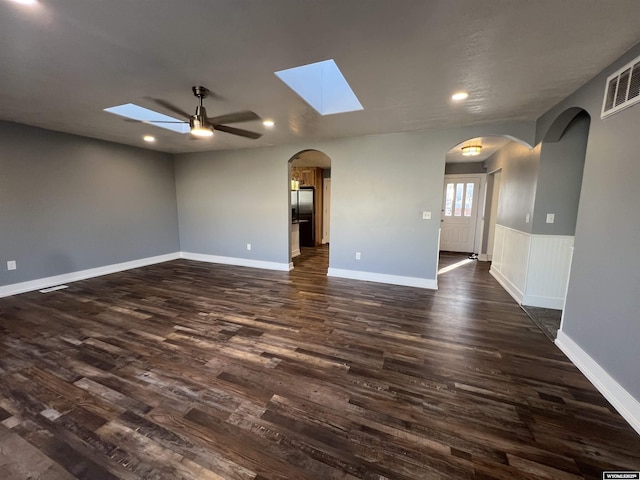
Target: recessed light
<point x="26" y="2"/>
<point x="268" y="123"/>
<point x="149" y="138"/>
<point x="459" y="96"/>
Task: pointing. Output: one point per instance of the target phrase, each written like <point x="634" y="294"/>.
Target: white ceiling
<point x="61" y="63"/>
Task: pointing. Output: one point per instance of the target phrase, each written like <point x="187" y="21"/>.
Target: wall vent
<point x="622" y="90"/>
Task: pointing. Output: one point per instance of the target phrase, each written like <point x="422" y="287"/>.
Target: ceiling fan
<point x="203" y="126"/>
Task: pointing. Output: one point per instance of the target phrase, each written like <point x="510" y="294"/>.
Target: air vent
<point x="623" y="89"/>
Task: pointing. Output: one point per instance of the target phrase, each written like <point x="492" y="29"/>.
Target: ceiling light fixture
<point x="26" y="2"/>
<point x="471" y="150"/>
<point x="268" y="123"/>
<point x="149" y="138"/>
<point x="459" y="96"/>
<point x="198" y="123"/>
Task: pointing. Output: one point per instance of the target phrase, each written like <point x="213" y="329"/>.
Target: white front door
<point x="459" y="213"/>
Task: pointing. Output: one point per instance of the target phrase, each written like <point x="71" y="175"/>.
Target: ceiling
<point x="62" y="63"/>
<point x="490" y="145"/>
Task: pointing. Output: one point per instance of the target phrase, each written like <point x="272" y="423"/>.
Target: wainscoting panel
<point x="534" y="269"/>
<point x="510" y="260"/>
<point x="548" y="273"/>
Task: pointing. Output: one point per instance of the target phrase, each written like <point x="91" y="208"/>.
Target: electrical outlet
<point x="357" y="255"/>
<point x="248" y="246"/>
<point x="551" y="217"/>
<point x="527" y="217"/>
<point x="11" y="265"/>
<point x="426" y="215"/>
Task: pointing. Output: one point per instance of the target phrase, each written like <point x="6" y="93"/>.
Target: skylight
<point x="145" y="115"/>
<point x="322" y="86"/>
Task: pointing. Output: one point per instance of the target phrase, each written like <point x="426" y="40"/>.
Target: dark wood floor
<point x="547" y="319"/>
<point x="199" y="371"/>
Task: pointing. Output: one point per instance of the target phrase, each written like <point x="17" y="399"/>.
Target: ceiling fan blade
<point x="236" y="117"/>
<point x="132" y="120"/>
<point x="171" y="107"/>
<point x="237" y="131"/>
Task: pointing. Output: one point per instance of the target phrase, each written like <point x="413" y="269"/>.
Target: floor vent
<point x="53" y="289"/>
<point x="622" y="90"/>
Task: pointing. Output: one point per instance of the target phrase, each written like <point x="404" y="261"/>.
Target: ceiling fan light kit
<point x="199" y="124"/>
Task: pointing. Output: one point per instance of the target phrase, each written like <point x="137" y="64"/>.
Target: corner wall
<point x="70" y="203"/>
<point x="601" y="314"/>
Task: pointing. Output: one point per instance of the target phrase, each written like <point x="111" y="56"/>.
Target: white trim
<point x="429" y="283"/>
<point x="622" y="401"/>
<point x="295" y="253"/>
<point x="41" y="283"/>
<point x="240" y="262"/>
<point x="507" y="285"/>
<point x="483" y="257"/>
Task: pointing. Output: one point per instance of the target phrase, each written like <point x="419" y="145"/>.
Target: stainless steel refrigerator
<point x="303" y="211"/>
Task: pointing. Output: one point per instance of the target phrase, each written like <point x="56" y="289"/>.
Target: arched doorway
<point x="310" y="201"/>
<point x="466" y="201"/>
<point x="562" y="158"/>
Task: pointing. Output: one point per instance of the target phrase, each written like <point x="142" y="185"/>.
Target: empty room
<point x="315" y="240"/>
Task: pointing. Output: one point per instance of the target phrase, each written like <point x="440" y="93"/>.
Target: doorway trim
<point x="481" y="204"/>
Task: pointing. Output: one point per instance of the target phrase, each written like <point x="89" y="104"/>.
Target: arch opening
<point x="309" y="180"/>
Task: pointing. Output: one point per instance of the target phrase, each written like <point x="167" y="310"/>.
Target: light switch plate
<point x="11" y="265"/>
<point x="426" y="215"/>
<point x="551" y="217"/>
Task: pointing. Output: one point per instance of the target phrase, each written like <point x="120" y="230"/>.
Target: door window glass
<point x="458" y="200"/>
<point x="468" y="200"/>
<point x="448" y="202"/>
<point x="458" y="211"/>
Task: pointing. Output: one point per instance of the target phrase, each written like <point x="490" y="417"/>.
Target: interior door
<point x="459" y="213"/>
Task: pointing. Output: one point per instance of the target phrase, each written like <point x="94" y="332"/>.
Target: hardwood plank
<point x="195" y="370"/>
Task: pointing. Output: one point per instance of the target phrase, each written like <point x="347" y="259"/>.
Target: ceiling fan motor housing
<point x="200" y="92"/>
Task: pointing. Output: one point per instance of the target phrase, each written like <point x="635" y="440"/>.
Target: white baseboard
<point x="431" y="284"/>
<point x="543" y="302"/>
<point x="240" y="262"/>
<point x="295" y="253"/>
<point x="622" y="401"/>
<point x="483" y="257"/>
<point x="507" y="285"/>
<point x="40" y="283"/>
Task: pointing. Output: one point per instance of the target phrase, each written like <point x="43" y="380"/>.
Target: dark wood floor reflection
<point x="198" y="371"/>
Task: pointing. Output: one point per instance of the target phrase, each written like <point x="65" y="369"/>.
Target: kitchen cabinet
<point x="307" y="176"/>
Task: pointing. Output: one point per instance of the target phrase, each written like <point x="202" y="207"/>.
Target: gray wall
<point x="380" y="186"/>
<point x="520" y="166"/>
<point x="69" y="203"/>
<point x="227" y="199"/>
<point x="602" y="303"/>
<point x="464" y="168"/>
<point x="560" y="180"/>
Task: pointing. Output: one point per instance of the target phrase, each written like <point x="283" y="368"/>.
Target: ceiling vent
<point x="623" y="89"/>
